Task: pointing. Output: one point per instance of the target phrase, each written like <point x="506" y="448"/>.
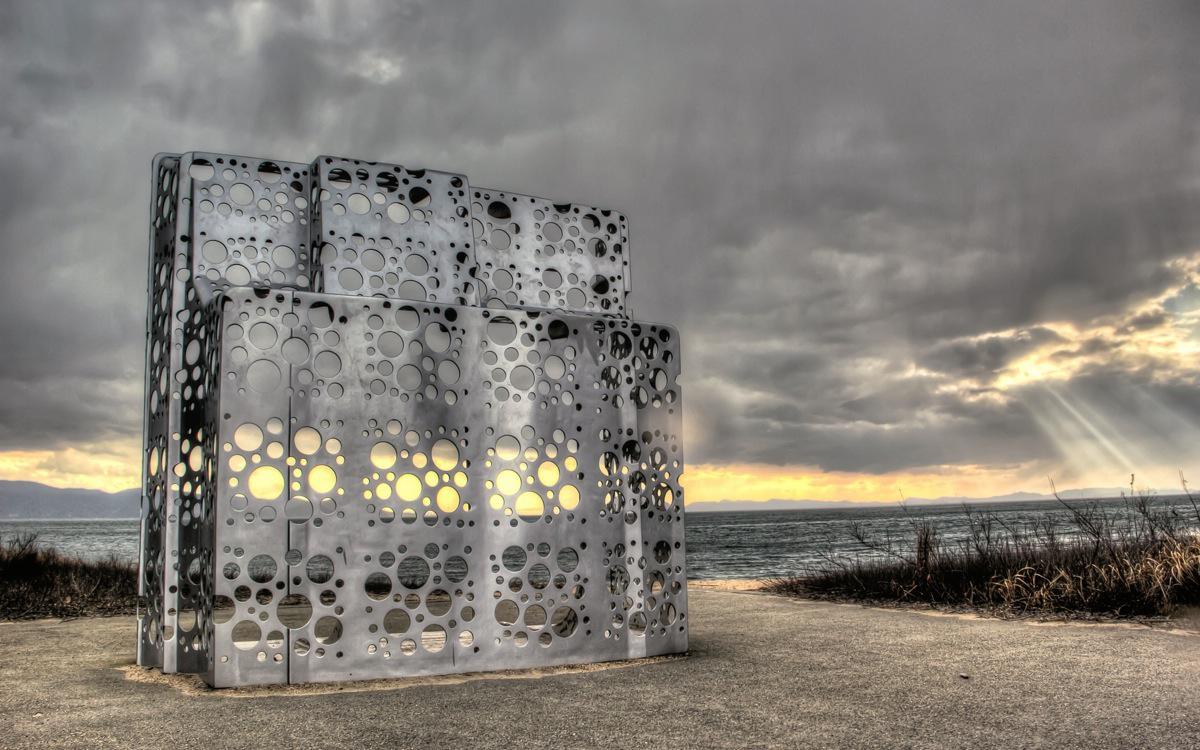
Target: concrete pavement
<point x="763" y="672"/>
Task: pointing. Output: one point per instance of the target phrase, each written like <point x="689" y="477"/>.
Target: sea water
<point x="734" y="544"/>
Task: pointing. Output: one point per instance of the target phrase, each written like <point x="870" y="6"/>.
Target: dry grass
<point x="1144" y="562"/>
<point x="38" y="581"/>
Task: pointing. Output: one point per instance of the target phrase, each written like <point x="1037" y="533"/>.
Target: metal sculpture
<point x="384" y="440"/>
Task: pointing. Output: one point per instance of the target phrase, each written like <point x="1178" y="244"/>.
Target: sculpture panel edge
<point x="248" y="536"/>
<point x="253" y="203"/>
<point x="153" y="523"/>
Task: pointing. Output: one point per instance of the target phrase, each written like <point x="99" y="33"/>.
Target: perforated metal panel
<point x="249" y="221"/>
<point x="345" y="487"/>
<point x="466" y="489"/>
<point x="218" y="221"/>
<point x="393" y="232"/>
<point x="155" y="540"/>
<point x="534" y="252"/>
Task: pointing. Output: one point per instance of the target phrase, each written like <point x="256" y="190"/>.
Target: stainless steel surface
<point x="388" y="231"/>
<point x="467" y="490"/>
<point x="532" y="251"/>
<point x="348" y="487"/>
<point x="155" y="539"/>
<point x="217" y="221"/>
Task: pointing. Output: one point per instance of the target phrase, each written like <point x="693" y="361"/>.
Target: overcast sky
<point x="946" y="246"/>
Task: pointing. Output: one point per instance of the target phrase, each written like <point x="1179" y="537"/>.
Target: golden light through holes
<point x="265" y="483"/>
<point x="445" y="455"/>
<point x="530" y="506"/>
<point x="307" y="440"/>
<point x="383" y="455"/>
<point x="408" y="487"/>
<point x="507" y="448"/>
<point x="508" y="482"/>
<point x="447" y="499"/>
<point x="322" y="479"/>
<point x="568" y="497"/>
<point x="548" y="473"/>
<point x="248" y="437"/>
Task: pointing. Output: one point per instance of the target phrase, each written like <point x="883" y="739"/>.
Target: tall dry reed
<point x="1138" y="563"/>
<point x="39" y="581"/>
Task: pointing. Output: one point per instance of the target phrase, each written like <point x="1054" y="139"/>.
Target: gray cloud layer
<point x="821" y="194"/>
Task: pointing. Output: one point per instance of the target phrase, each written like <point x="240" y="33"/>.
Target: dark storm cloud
<point x="986" y="355"/>
<point x="1147" y="320"/>
<point x="823" y="195"/>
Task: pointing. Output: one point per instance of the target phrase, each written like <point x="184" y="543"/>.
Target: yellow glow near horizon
<point x="110" y="467"/>
<point x="114" y="468"/>
<point x="758" y="482"/>
<point x="761" y="482"/>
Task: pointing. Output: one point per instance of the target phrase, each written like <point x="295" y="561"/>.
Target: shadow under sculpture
<point x="399" y="426"/>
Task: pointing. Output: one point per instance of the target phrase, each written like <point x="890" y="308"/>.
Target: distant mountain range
<point x="27" y="500"/>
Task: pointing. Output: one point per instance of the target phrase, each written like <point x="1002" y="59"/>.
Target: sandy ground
<point x="725" y="584"/>
<point x="763" y="672"/>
